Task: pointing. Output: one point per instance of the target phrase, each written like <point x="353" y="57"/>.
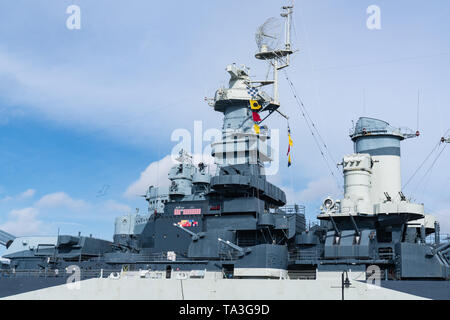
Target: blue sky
<point x="87" y="110"/>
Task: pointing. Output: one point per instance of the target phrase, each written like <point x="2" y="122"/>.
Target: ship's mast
<point x="278" y="58"/>
<point x="244" y="139"/>
<point x="288" y="16"/>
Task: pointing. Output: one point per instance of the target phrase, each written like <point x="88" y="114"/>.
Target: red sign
<point x="180" y="211"/>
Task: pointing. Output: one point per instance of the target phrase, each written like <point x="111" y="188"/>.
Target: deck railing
<point x="57" y="273"/>
<point x="292" y="209"/>
<point x="443" y="238"/>
<point x="305" y="254"/>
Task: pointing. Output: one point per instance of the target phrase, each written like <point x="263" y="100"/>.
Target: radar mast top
<point x="267" y="38"/>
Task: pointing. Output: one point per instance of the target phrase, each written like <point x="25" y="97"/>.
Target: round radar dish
<point x="268" y="35"/>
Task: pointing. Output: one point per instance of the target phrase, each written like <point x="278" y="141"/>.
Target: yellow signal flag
<point x="289" y="161"/>
<point x="256" y="128"/>
<point x="290" y="140"/>
<point x="254" y="104"/>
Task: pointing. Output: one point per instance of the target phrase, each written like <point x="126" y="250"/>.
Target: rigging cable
<point x="426" y="175"/>
<point x="418" y="109"/>
<point x="423" y="163"/>
<point x="316" y="136"/>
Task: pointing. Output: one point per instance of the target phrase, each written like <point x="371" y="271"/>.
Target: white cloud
<point x="115" y="207"/>
<point x="24" y="222"/>
<point x="154" y="175"/>
<point x="61" y="200"/>
<point x="94" y="101"/>
<point x="27" y="194"/>
<point x="315" y="190"/>
<point x="6" y="199"/>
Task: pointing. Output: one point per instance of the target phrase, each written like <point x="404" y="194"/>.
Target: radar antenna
<point x="268" y="34"/>
<point x="268" y="41"/>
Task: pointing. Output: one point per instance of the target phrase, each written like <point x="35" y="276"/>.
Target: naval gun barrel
<point x="336" y="230"/>
<point x="6" y="239"/>
<point x="241" y="250"/>
<point x="445" y="251"/>
<point x="443" y="247"/>
<point x="195" y="236"/>
<point x="355" y="226"/>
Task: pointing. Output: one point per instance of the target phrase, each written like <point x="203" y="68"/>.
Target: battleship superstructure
<point x="221" y="233"/>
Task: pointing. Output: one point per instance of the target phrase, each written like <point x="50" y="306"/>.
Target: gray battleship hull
<point x="232" y="236"/>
